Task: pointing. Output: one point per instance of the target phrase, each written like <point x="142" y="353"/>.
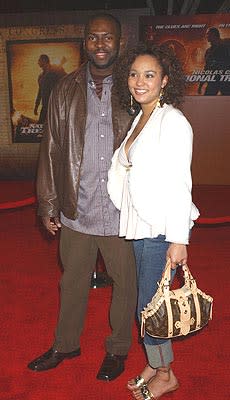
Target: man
<point x="217" y="61"/>
<point x="85" y="124"/>
<point x="46" y="82"/>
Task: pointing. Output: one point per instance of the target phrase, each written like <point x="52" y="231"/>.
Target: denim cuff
<point x="160" y="355"/>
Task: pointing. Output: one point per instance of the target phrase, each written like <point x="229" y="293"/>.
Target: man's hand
<point x="51" y="224"/>
<point x="177" y="254"/>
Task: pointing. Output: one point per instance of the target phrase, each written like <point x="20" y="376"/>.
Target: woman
<point x="150" y="182"/>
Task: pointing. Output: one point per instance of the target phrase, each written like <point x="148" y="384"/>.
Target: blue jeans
<point x="150" y="257"/>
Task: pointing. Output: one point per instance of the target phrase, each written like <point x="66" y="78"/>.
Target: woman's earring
<point x="160" y="98"/>
<point x="132" y="110"/>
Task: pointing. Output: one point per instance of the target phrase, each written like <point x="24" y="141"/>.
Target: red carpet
<point x="29" y="276"/>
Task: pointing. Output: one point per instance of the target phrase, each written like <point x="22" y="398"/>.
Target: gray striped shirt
<point x="96" y="213"/>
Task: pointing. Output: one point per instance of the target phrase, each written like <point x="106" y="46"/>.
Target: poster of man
<point x="34" y="69"/>
<point x="202" y="43"/>
<point x="47" y="79"/>
<point x="217" y="60"/>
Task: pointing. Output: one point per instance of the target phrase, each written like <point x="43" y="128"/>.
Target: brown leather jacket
<point x="63" y="142"/>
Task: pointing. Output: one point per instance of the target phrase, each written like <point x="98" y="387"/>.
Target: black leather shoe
<point x="112" y="366"/>
<point x="51" y="359"/>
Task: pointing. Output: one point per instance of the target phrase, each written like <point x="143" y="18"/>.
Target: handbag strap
<point x="189" y="283"/>
<point x="166" y="277"/>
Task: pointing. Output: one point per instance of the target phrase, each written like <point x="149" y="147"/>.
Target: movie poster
<point x="34" y="68"/>
<point x="201" y="42"/>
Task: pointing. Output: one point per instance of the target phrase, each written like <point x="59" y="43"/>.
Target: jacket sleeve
<point x="178" y="140"/>
<point x="49" y="162"/>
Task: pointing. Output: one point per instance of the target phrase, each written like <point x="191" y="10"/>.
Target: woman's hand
<point x="177" y="254"/>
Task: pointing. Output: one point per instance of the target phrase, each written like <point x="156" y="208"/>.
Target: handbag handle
<point x="166" y="277"/>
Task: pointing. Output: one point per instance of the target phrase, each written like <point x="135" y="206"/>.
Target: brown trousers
<point x="78" y="255"/>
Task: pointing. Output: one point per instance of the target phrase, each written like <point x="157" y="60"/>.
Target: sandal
<point x="147" y="395"/>
<point x="139" y="381"/>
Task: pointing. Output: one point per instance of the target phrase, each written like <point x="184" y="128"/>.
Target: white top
<point x="154" y="195"/>
<point x="131" y="225"/>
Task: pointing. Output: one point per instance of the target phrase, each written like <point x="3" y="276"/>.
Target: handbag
<point x="178" y="312"/>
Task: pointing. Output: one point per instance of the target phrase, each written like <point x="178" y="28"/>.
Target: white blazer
<point x="160" y="177"/>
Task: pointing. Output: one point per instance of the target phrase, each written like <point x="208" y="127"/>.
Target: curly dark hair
<point x="169" y="63"/>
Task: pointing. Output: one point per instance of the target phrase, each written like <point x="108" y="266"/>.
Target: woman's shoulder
<point x="172" y="114"/>
<point x="170" y="111"/>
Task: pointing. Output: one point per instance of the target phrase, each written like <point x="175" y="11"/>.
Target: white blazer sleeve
<point x="177" y="137"/>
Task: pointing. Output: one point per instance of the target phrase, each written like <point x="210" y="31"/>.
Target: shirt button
<point x="102" y="114"/>
<point x="102" y="136"/>
<point x="102" y="158"/>
<point x="103" y="180"/>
